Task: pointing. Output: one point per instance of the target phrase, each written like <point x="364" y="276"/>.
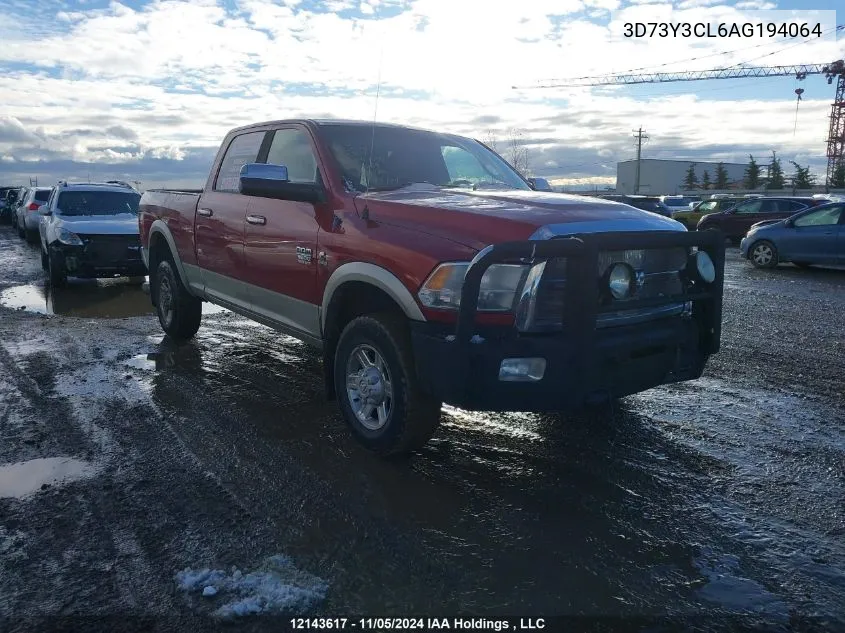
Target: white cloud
<point x="176" y="75"/>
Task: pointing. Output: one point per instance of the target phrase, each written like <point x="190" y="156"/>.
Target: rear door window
<point x="43" y="195"/>
<point x="242" y="150"/>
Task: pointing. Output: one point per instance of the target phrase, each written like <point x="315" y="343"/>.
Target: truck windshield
<point x="382" y="158"/>
<point x="97" y="203"/>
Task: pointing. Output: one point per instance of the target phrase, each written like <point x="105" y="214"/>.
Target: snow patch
<point x="276" y="586"/>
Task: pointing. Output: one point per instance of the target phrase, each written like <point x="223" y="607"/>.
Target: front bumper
<point x="584" y="363"/>
<point x="744" y="245"/>
<point x="94" y="260"/>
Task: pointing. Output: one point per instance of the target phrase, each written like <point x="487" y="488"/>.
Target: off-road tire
<point x="56" y="272"/>
<point x="757" y="254"/>
<point x="414" y="416"/>
<point x="179" y="312"/>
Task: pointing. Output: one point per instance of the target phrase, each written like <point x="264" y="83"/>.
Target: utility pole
<point x="640" y="136"/>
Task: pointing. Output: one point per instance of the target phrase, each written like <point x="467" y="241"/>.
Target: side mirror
<point x="271" y="181"/>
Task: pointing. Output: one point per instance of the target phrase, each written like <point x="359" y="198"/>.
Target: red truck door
<point x="219" y="226"/>
<point x="281" y="240"/>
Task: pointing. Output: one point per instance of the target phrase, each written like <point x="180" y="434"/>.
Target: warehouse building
<point x="659" y="177"/>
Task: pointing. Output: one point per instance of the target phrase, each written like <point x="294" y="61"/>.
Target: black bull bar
<point x="582" y="286"/>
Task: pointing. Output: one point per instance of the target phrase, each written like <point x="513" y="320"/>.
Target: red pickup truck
<point x="428" y="270"/>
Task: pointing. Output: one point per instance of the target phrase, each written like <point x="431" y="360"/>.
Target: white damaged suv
<point x="91" y="230"/>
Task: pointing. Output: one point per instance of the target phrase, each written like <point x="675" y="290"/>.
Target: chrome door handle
<point x="256" y="219"/>
<point x="205" y="212"/>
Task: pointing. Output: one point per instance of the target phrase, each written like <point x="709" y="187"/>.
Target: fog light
<point x="704" y="266"/>
<point x="620" y="280"/>
<point x="522" y="369"/>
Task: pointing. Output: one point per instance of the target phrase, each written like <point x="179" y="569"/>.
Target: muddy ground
<point x="125" y="460"/>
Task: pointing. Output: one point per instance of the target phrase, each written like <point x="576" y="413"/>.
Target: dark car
<point x="736" y="221"/>
<point x="690" y="217"/>
<point x="646" y="203"/>
<point x="813" y="236"/>
<point x="8" y="202"/>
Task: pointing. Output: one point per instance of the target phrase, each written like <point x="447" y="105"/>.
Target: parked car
<point x="91" y="230"/>
<point x="29" y="211"/>
<point x="813" y="236"/>
<point x="690" y="218"/>
<point x="646" y="203"/>
<point x="14" y="206"/>
<point x="677" y="203"/>
<point x="736" y="221"/>
<point x="539" y="184"/>
<point x="423" y="266"/>
<point x="7" y="204"/>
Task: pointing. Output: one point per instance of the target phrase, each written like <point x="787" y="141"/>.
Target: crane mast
<point x="833" y="72"/>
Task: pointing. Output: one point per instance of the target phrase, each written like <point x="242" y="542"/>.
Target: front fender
<point x="379" y="277"/>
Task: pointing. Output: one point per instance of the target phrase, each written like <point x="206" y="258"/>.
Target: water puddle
<point x="97" y="299"/>
<point x="86" y="299"/>
<point x="25" y="478"/>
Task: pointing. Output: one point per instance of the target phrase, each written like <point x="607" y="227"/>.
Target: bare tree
<point x="490" y="139"/>
<point x="517" y="152"/>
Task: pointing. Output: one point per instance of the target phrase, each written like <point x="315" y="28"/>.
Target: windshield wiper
<point x="491" y="185"/>
<point x="404" y="185"/>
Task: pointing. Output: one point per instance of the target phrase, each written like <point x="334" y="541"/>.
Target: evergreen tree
<point x="802" y="179"/>
<point x="837" y="179"/>
<point x="690" y="179"/>
<point x="705" y="180"/>
<point x="776" y="179"/>
<point x="752" y="174"/>
<point x="721" y="176"/>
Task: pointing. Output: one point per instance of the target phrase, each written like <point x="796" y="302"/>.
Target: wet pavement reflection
<point x="111" y="299"/>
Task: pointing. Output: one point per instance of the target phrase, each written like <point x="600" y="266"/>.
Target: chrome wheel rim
<point x="165" y="301"/>
<point x="762" y="254"/>
<point x="369" y="387"/>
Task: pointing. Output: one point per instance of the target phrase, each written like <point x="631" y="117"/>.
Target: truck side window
<point x="292" y="148"/>
<point x="243" y="149"/>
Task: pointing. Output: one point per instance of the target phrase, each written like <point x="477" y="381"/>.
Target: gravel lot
<point x="125" y="460"/>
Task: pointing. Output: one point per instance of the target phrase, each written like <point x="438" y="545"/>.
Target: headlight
<point x="704" y="266"/>
<point x="620" y="280"/>
<point x="71" y="239"/>
<point x="499" y="286"/>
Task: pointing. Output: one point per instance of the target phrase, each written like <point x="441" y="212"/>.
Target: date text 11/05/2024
<point x="417" y="624"/>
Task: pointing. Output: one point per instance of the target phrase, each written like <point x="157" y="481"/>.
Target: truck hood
<point x="479" y="218"/>
<point x="121" y="224"/>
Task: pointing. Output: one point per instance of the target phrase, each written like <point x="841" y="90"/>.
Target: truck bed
<point x="176" y="208"/>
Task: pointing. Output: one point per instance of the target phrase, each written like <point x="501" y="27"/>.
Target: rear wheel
<point x="21" y="230"/>
<point x="763" y="254"/>
<point x="377" y="388"/>
<point x="178" y="311"/>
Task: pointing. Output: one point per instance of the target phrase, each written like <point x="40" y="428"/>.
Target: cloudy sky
<point x="145" y="90"/>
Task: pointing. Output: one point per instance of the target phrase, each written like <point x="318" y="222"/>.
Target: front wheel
<point x="178" y="311"/>
<point x="763" y="254"/>
<point x="377" y="388"/>
<point x="56" y="272"/>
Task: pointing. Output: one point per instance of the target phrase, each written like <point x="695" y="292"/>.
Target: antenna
<point x="365" y="214"/>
